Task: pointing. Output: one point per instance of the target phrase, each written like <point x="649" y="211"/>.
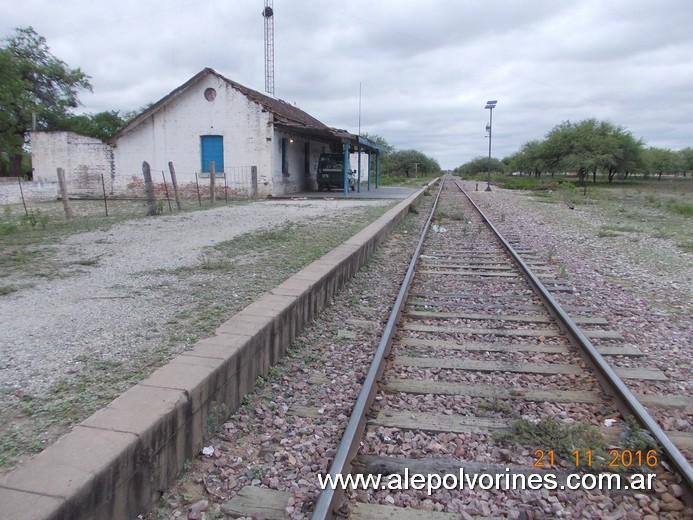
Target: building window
<point x="285" y="156"/>
<point x="306" y="158"/>
<point x="212" y="149"/>
<point x="210" y="94"/>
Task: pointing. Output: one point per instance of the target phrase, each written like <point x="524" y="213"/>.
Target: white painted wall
<point x="354" y="164"/>
<point x="173" y="133"/>
<point x="33" y="191"/>
<point x="84" y="160"/>
<point x="302" y="175"/>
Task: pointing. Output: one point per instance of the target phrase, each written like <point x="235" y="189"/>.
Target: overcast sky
<point x="425" y="68"/>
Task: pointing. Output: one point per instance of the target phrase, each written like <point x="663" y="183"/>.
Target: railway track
<point x="484" y="380"/>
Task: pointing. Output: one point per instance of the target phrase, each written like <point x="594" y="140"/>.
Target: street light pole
<point x="490" y="105"/>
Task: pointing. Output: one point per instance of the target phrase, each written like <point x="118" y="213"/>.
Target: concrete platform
<point x="383" y="192"/>
<point x="116" y="463"/>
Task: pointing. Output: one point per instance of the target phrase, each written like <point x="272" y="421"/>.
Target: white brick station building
<point x="261" y="146"/>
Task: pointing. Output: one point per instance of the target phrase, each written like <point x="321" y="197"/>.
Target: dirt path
<point x="124" y="287"/>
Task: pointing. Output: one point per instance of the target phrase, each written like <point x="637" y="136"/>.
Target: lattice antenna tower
<point x="268" y="15"/>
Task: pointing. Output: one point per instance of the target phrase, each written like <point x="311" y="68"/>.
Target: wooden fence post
<point x="253" y="181"/>
<point x="168" y="199"/>
<point x="212" y="183"/>
<point x="151" y="203"/>
<point x="21" y="192"/>
<point x="105" y="199"/>
<point x="197" y="183"/>
<point x="63" y="193"/>
<point x="172" y="170"/>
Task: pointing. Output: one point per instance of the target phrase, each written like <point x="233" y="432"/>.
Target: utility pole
<point x="268" y="15"/>
<point x="490" y="105"/>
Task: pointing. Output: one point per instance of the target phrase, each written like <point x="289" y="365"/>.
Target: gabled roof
<point x="285" y="114"/>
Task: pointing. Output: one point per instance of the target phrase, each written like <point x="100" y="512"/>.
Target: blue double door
<point x="212" y="147"/>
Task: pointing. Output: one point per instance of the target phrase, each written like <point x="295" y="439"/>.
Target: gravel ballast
<point x="268" y="444"/>
<point x="264" y="443"/>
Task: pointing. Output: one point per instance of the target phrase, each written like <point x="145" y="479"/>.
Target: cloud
<point x="425" y="69"/>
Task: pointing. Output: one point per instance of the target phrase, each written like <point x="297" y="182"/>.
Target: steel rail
<point x="625" y="400"/>
<point x="330" y="499"/>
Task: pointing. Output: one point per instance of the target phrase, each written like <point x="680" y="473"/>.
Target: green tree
<point x="618" y="151"/>
<point x="379" y="140"/>
<point x="101" y="125"/>
<point x="660" y="161"/>
<point x="529" y="159"/>
<point x="14" y="94"/>
<point x="687" y="158"/>
<point x="409" y="163"/>
<point x="479" y="165"/>
<point x="591" y="146"/>
<point x="572" y="147"/>
<point x="33" y="84"/>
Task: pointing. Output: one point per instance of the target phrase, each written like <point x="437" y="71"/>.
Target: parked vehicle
<point x="331" y="172"/>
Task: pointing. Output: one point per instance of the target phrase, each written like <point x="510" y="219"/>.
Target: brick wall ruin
<point x="84" y="159"/>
